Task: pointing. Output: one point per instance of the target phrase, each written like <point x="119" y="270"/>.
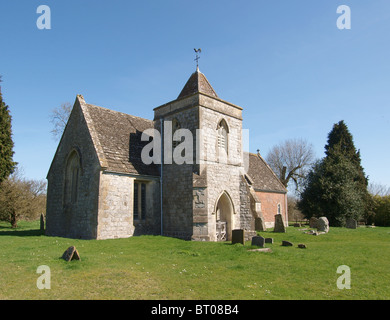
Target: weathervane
<point x="197" y="57"/>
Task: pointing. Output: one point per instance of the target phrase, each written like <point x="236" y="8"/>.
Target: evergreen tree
<point x="6" y="144"/>
<point x="340" y="140"/>
<point x="336" y="187"/>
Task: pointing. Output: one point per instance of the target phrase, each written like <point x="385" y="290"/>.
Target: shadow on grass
<point x="8" y="231"/>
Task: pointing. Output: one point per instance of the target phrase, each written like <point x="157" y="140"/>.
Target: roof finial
<point x="197" y="58"/>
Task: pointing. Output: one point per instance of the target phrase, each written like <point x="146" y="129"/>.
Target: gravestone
<point x="323" y="224"/>
<point x="42" y="223"/>
<point x="279" y="223"/>
<point x="269" y="240"/>
<point x="238" y="236"/>
<point x="258" y="241"/>
<point x="351" y="223"/>
<point x="313" y="222"/>
<point x="302" y="246"/>
<point x="71" y="254"/>
<point x="286" y="243"/>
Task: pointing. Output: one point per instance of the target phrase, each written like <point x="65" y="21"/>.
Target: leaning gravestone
<point x="323" y="224"/>
<point x="351" y="223"/>
<point x="71" y="254"/>
<point x="286" y="243"/>
<point x="258" y="241"/>
<point x="279" y="224"/>
<point x="238" y="236"/>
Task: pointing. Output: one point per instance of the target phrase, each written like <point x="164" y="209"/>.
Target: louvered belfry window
<point x="223" y="136"/>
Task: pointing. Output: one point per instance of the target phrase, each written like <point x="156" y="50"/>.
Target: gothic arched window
<point x="72" y="175"/>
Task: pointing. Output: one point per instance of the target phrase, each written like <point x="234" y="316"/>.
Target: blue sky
<point x="285" y="62"/>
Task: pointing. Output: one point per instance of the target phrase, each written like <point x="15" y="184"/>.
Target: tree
<point x="377" y="189"/>
<point x="59" y="117"/>
<point x="291" y="160"/>
<point x="332" y="191"/>
<point x="7" y="164"/>
<point x="336" y="187"/>
<point x="21" y="198"/>
<point x="340" y="140"/>
<point x="382" y="210"/>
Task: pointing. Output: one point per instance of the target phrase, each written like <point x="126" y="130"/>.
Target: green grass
<point x="155" y="267"/>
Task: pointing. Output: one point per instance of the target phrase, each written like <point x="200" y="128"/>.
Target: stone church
<point x="101" y="187"/>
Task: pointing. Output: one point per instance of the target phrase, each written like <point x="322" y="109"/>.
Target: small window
<point x="139" y="208"/>
<point x="279" y="209"/>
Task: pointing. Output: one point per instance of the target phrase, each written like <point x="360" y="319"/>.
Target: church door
<point x="223" y="217"/>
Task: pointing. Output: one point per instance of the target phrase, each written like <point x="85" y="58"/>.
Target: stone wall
<point x="115" y="218"/>
<point x="181" y="198"/>
<point x="177" y="179"/>
<point x="223" y="174"/>
<point x="79" y="219"/>
<point x="247" y="215"/>
<point x="116" y="207"/>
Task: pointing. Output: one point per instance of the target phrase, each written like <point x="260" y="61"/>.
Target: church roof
<point x="117" y="138"/>
<point x="197" y="83"/>
<point x="263" y="177"/>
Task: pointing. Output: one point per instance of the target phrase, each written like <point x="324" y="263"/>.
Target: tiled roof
<point x="262" y="175"/>
<point x="119" y="138"/>
<point x="197" y="83"/>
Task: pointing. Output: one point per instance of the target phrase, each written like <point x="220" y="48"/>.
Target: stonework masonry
<point x="75" y="220"/>
<point x="98" y="179"/>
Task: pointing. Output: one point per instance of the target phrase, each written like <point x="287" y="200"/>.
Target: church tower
<point x="202" y="174"/>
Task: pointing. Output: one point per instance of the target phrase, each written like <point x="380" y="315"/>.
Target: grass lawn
<point x="155" y="267"/>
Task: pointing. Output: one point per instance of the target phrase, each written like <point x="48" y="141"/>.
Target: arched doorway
<point x="224" y="217"/>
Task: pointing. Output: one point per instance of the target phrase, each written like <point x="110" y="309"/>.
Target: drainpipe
<point x="161" y="171"/>
<point x="286" y="207"/>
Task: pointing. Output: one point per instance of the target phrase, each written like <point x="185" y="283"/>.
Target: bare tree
<point x="291" y="161"/>
<point x="21" y="198"/>
<point x="377" y="189"/>
<point x="59" y="117"/>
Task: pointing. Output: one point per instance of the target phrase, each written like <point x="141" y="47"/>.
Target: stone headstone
<point x="258" y="241"/>
<point x="297" y="225"/>
<point x="313" y="222"/>
<point x="302" y="246"/>
<point x="42" y="223"/>
<point x="323" y="224"/>
<point x="286" y="243"/>
<point x="238" y="236"/>
<point x="71" y="254"/>
<point x="351" y="223"/>
<point x="269" y="240"/>
<point x="279" y="223"/>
